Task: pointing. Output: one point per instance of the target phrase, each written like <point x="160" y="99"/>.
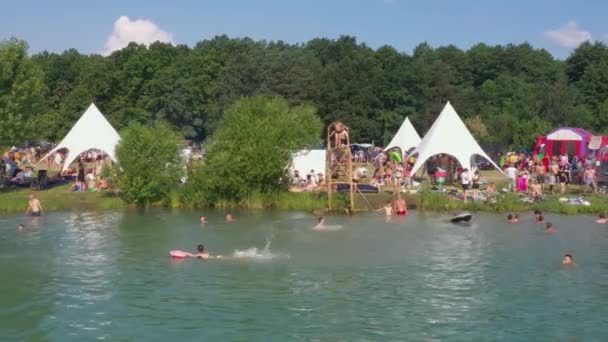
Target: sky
<point x="104" y="26"/>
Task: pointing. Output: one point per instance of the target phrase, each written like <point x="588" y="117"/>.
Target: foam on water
<point x="330" y="227"/>
<point x="258" y="254"/>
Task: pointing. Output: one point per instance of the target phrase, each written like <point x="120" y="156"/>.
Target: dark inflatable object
<point x="463" y="217"/>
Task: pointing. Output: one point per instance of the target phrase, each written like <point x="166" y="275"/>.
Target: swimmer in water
<point x="320" y="223"/>
<point x="512" y="218"/>
<point x="388" y="209"/>
<point x="202" y="219"/>
<point x="229" y="218"/>
<point x="568" y="260"/>
<point x="601" y="219"/>
<point x="20" y="227"/>
<point x="549" y="228"/>
<point x="537" y="214"/>
<point x="540" y="218"/>
<point x="201" y="254"/>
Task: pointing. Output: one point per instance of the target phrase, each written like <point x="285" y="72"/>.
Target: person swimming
<point x="568" y="260"/>
<point x="549" y="228"/>
<point x="229" y="218"/>
<point x="202" y="219"/>
<point x="512" y="218"/>
<point x="537" y="214"/>
<point x="601" y="219"/>
<point x="320" y="223"/>
<point x="201" y="254"/>
<point x="20" y="227"/>
<point x="540" y="218"/>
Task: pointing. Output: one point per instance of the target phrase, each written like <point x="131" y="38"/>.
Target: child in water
<point x="549" y="228"/>
<point x="320" y="223"/>
<point x="202" y="219"/>
<point x="512" y="218"/>
<point x="568" y="260"/>
<point x="601" y="219"/>
<point x="388" y="209"/>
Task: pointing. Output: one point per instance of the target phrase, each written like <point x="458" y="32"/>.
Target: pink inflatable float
<point x="179" y="254"/>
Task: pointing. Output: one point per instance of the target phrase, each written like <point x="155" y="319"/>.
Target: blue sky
<point x="88" y="25"/>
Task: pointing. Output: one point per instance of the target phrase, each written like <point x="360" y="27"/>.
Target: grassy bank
<point x="59" y="199"/>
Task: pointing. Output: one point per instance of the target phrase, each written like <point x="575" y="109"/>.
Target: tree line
<point x="506" y="94"/>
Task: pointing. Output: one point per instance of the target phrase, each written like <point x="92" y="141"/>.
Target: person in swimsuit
<point x="34" y="208"/>
<point x="201" y="254"/>
<point x="399" y="205"/>
<point x="229" y="218"/>
<point x="388" y="209"/>
<point x="320" y="223"/>
<point x="568" y="260"/>
<point x="540" y="218"/>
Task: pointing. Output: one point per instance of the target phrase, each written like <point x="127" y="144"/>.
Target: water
<point x="107" y="276"/>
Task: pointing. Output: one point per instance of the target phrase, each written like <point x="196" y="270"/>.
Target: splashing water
<point x="258" y="254"/>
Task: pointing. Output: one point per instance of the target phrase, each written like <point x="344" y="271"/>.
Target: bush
<point x="249" y="153"/>
<point x="149" y="161"/>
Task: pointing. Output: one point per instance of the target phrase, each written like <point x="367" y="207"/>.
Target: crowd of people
<point x="540" y="174"/>
<point x="18" y="167"/>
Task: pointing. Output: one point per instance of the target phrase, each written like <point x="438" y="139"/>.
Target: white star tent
<point x="449" y="135"/>
<point x="306" y="160"/>
<point x="91" y="131"/>
<point x="406" y="137"/>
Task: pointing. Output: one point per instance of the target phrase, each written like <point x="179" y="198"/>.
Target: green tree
<point x="21" y="93"/>
<point x="150" y="162"/>
<point x="250" y="151"/>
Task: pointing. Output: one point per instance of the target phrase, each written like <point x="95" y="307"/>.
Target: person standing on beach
<point x="34" y="208"/>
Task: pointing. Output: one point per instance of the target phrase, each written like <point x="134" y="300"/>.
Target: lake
<point x="107" y="276"/>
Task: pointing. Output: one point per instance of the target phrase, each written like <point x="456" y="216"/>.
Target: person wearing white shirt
<point x="511" y="173"/>
<point x="465" y="181"/>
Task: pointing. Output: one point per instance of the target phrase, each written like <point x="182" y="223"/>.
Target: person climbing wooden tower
<point x="339" y="168"/>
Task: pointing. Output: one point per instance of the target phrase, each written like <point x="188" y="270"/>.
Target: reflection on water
<point x="86" y="276"/>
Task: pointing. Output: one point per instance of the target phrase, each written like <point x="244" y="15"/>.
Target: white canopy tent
<point x="449" y="135"/>
<point x="91" y="131"/>
<point x="306" y="160"/>
<point x="406" y="137"/>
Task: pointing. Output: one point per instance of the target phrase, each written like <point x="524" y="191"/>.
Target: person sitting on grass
<point x="23" y="176"/>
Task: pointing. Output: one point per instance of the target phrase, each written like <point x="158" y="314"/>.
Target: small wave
<point x="298" y="216"/>
<point x="255" y="253"/>
<point x="330" y="227"/>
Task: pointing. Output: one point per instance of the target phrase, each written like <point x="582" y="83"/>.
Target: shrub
<point x="249" y="153"/>
<point x="149" y="162"/>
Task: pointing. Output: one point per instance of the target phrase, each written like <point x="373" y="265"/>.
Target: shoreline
<point x="59" y="199"/>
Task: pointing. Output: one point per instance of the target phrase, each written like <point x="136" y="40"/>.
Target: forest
<point x="507" y="94"/>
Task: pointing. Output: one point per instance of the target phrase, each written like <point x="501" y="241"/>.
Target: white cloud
<point x="139" y="30"/>
<point x="568" y="36"/>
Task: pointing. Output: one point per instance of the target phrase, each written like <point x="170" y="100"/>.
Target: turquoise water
<point x="107" y="276"/>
